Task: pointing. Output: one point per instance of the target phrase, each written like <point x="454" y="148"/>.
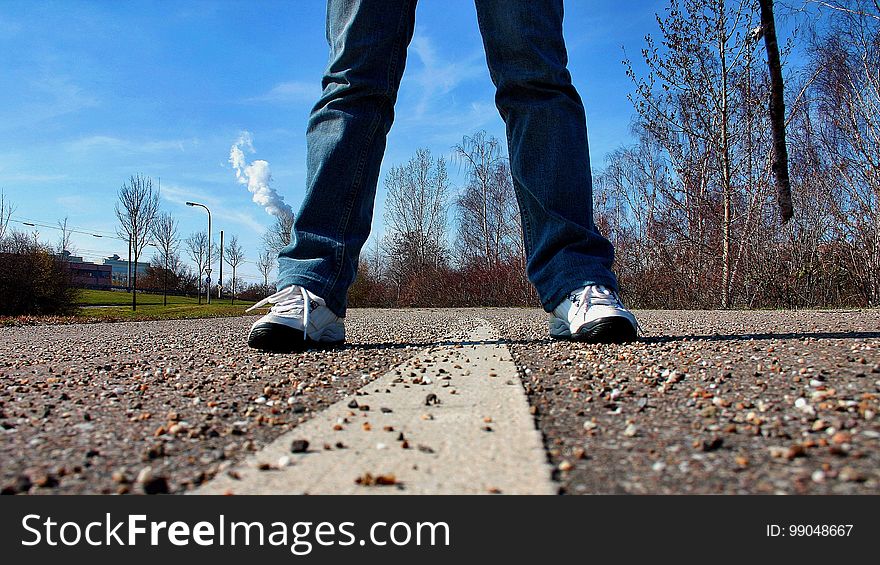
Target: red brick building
<point x="88" y="275"/>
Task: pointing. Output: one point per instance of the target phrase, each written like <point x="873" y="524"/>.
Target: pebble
<point x="841" y="437"/>
<point x="849" y="474"/>
<point x="144" y="475"/>
<point x="796" y="450"/>
<point x="21" y="484"/>
<point x="299" y="446"/>
<point x="369" y="480"/>
<point x="156" y="485"/>
<point x="804" y="406"/>
<point x="630" y="431"/>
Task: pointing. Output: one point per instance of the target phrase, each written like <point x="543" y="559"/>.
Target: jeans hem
<point x="316" y="287"/>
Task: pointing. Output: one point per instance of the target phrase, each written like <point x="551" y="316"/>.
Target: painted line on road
<point x="453" y="419"/>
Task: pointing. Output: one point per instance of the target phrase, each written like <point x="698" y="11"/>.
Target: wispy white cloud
<point x="31" y="177"/>
<point x="106" y="143"/>
<point x="220" y="210"/>
<point x="75" y="203"/>
<point x="47" y="97"/>
<point x="290" y="93"/>
<point x="437" y="76"/>
<point x="446" y="126"/>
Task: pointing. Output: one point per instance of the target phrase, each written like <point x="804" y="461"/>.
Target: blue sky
<point x="92" y="92"/>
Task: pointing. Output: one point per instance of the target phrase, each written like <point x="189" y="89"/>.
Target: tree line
<point x="142" y="223"/>
<point x="690" y="205"/>
<point x="36" y="280"/>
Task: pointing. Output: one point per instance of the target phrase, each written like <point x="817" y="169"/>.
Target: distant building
<point x="66" y="256"/>
<point x="119" y="266"/>
<point x="89" y="275"/>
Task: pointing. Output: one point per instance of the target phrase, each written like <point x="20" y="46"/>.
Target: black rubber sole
<point x="278" y="338"/>
<point x="615" y="329"/>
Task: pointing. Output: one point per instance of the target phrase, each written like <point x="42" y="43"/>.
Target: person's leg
<point x="547" y="142"/>
<point x="346" y="141"/>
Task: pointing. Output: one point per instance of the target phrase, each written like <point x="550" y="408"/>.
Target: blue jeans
<point x="546" y="134"/>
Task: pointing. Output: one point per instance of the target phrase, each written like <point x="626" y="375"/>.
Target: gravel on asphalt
<point x="709" y="402"/>
<point x="706" y="402"/>
<point x="164" y="406"/>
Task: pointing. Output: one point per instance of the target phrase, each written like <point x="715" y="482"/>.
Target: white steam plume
<point x="256" y="177"/>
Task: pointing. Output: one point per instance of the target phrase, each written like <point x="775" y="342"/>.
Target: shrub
<point x="33" y="280"/>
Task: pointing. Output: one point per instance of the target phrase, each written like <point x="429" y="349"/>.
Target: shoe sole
<point x="278" y="338"/>
<point x="614" y="329"/>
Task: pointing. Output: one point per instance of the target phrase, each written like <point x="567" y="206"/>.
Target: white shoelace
<point x="604" y="296"/>
<point x="598" y="294"/>
<point x="291" y="300"/>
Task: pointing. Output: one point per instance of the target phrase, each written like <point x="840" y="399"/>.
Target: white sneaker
<point x="296" y="321"/>
<point x="593" y="314"/>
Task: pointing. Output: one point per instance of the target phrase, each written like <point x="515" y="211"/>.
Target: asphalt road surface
<point x="471" y="401"/>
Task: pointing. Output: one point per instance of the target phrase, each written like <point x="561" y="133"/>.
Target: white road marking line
<point x="479" y="438"/>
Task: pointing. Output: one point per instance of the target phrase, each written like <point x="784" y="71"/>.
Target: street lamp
<point x="207" y="270"/>
<point x="128" y="280"/>
<point x="35" y="232"/>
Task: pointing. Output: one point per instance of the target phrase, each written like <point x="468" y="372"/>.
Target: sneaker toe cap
<point x="268" y="336"/>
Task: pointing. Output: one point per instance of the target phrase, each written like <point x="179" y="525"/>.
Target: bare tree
<point x="277" y="236"/>
<point x="136" y="210"/>
<point x="415" y="212"/>
<point x="233" y="256"/>
<point x="697" y="102"/>
<point x="64" y="240"/>
<point x="859" y="8"/>
<point x="374" y="260"/>
<point x="847" y="90"/>
<point x="487" y="216"/>
<point x="197" y="249"/>
<point x="265" y="264"/>
<point x="164" y="232"/>
<point x="6" y="211"/>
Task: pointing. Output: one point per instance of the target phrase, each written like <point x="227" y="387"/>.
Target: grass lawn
<point x="118" y="298"/>
<point x="110" y="306"/>
<point x="159" y="312"/>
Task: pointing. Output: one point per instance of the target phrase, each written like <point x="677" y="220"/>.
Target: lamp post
<point x="128" y="281"/>
<point x="208" y="269"/>
<point x="220" y="280"/>
<point x="130" y="272"/>
<point x="35" y="232"/>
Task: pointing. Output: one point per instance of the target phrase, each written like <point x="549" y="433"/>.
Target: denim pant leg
<point x="346" y="141"/>
<point x="547" y="141"/>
